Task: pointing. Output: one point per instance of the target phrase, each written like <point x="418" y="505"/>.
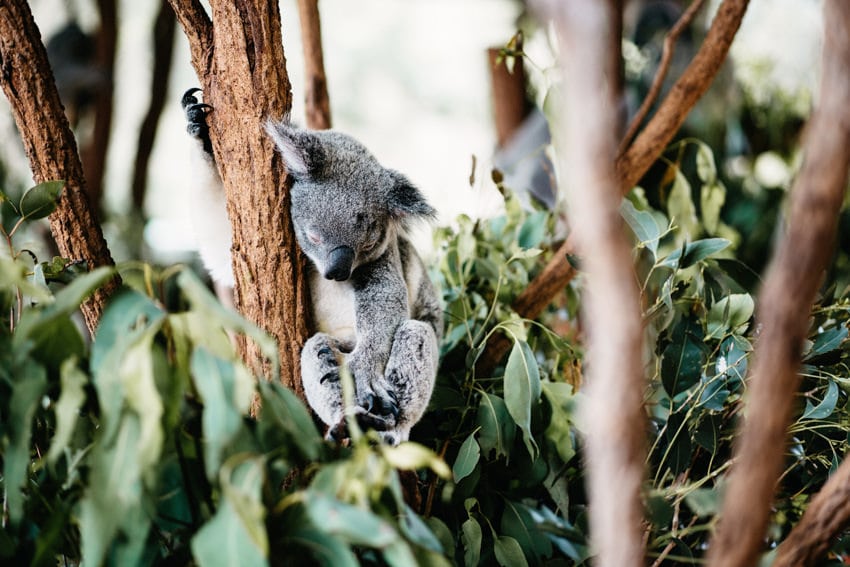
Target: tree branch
<point x="27" y="81"/>
<point x="615" y="444"/>
<point x="197" y="26"/>
<point x="317" y="102"/>
<point x="661" y="74"/>
<point x="785" y="304"/>
<point x="633" y="163"/>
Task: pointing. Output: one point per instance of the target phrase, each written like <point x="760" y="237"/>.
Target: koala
<point x="375" y="308"/>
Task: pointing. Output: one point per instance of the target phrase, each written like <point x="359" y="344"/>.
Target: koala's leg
<point x="409" y="376"/>
<point x="196" y="117"/>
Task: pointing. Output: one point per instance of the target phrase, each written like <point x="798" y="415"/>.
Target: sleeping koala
<point x="374" y="306"/>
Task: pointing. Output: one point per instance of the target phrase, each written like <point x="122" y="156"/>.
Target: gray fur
<point x="374" y="306"/>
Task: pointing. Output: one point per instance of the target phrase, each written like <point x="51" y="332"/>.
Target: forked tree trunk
<point x="27" y="80"/>
<point x="238" y="56"/>
<point x="796" y="271"/>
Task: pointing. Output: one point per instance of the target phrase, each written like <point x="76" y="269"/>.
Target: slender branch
<point x="197" y="26"/>
<point x="317" y="102"/>
<point x="661" y="74"/>
<point x="93" y="155"/>
<point x="615" y="444"/>
<point x="27" y="81"/>
<point x="827" y="515"/>
<point x="163" y="47"/>
<point x="634" y="162"/>
<point x="793" y="278"/>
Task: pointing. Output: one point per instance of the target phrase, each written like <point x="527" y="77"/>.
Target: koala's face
<point x="346" y="208"/>
<point x="340" y="227"/>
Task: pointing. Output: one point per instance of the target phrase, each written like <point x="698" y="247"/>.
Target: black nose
<point x="339" y="263"/>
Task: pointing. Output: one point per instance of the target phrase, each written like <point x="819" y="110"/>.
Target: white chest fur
<point x="333" y="306"/>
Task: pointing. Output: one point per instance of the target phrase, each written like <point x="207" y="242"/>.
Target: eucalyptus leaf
<point x="681" y="209"/>
<point x="695" y="252"/>
<point x="357" y="526"/>
<point x="643" y="225"/>
<point x="496" y="427"/>
<point x="518" y="523"/>
<point x="533" y="230"/>
<point x="522" y="389"/>
<point x="730" y="314"/>
<point x="508" y="552"/>
<point x="471" y="537"/>
<point x="467" y="458"/>
<point x="826" y="406"/>
<point x="67" y="410"/>
<point x="39" y="201"/>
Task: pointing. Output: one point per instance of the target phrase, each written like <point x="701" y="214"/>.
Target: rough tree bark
<point x="785" y="303"/>
<point x="632" y="164"/>
<point x="615" y="444"/>
<point x="241" y="66"/>
<point x="94" y="153"/>
<point x="27" y="81"/>
<point x="163" y="47"/>
<point x="317" y="102"/>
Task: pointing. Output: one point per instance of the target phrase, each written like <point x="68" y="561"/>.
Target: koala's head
<point x="346" y="207"/>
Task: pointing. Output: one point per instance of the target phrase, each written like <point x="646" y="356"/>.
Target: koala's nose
<point x="339" y="263"/>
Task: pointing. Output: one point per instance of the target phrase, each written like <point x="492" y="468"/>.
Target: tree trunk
<point x="614" y="413"/>
<point x="785" y="303"/>
<point x="316" y="101"/>
<point x="242" y="70"/>
<point x="27" y="81"/>
<point x="94" y="154"/>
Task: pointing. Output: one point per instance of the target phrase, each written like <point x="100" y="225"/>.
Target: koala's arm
<point x="380" y="299"/>
<point x="208" y="209"/>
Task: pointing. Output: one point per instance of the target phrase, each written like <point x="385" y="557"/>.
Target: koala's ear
<point x="301" y="151"/>
<point x="405" y="200"/>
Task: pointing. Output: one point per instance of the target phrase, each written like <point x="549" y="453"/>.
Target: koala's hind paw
<point x="385" y="405"/>
<point x="196" y="116"/>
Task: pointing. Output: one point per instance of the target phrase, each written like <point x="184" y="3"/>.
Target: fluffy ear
<point x="301" y="151"/>
<point x="405" y="200"/>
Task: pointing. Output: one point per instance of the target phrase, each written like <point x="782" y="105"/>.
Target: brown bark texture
<point x="510" y="103"/>
<point x="632" y="163"/>
<point x="94" y="154"/>
<point x="785" y="301"/>
<point x="163" y="48"/>
<point x="614" y="414"/>
<point x="241" y="66"/>
<point x="316" y="100"/>
<point x="27" y="81"/>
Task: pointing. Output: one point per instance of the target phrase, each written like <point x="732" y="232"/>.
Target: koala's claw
<point x="196" y="116"/>
<point x="332" y="376"/>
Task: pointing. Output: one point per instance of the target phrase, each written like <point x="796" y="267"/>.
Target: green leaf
<point x="704" y="502"/>
<point x="827" y="342"/>
<point x="826" y="406"/>
<point x="205" y="303"/>
<point x="354" y="525"/>
<point x="226" y="389"/>
<point x="471" y="538"/>
<point x="236" y="535"/>
<point x="680" y="207"/>
<point x="285" y="420"/>
<point x="416" y="530"/>
<point x="559" y="432"/>
<point x="508" y="552"/>
<point x="518" y="524"/>
<point x="533" y="230"/>
<point x="412" y="456"/>
<point x="522" y="389"/>
<point x="326" y="549"/>
<point x="30" y="382"/>
<point x="67" y="409"/>
<point x="706" y="169"/>
<point x="683" y="359"/>
<point x="695" y="252"/>
<point x="467" y="458"/>
<point x="496" y="427"/>
<point x="39" y="201"/>
<point x="730" y="314"/>
<point x="712" y="198"/>
<point x="642" y="224"/>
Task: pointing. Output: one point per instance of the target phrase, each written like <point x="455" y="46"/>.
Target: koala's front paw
<point x="196" y="116"/>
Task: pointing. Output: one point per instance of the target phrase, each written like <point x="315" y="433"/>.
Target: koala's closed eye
<point x="376" y="235"/>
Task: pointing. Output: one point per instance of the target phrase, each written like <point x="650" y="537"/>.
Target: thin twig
<point x="661" y="74"/>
